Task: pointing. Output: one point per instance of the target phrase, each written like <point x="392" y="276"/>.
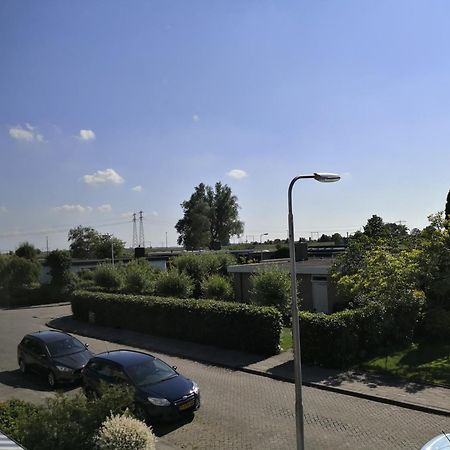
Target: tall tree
<point x="209" y="215"/>
<point x="27" y="250"/>
<point x="447" y="207"/>
<point x="85" y="242"/>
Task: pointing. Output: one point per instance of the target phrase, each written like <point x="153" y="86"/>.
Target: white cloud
<point x="237" y="173"/>
<point x="27" y="134"/>
<point x="3" y="209"/>
<point x="73" y="209"/>
<point x="104" y="208"/>
<point x="127" y="215"/>
<point x="86" y="135"/>
<point x="137" y="189"/>
<point x="108" y="176"/>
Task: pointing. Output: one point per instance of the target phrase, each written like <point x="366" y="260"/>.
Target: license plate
<point x="187" y="405"/>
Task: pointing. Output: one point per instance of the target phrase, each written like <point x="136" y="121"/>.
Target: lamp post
<point x="260" y="243"/>
<point x="299" y="426"/>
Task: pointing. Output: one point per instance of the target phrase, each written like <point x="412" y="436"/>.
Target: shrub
<point x="59" y="262"/>
<point x="108" y="276"/>
<point x="12" y="412"/>
<point x="173" y="284"/>
<point x="70" y="423"/>
<point x="217" y="287"/>
<point x="436" y="325"/>
<point x="27" y="251"/>
<point x="199" y="266"/>
<point x="86" y="274"/>
<point x="17" y="273"/>
<point x="346" y="337"/>
<point x="139" y="277"/>
<point x="125" y="433"/>
<point x="271" y="288"/>
<point x="225" y="324"/>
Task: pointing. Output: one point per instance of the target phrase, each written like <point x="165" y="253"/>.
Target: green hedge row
<point x="225" y="324"/>
<point x="347" y="337"/>
<point x="29" y="296"/>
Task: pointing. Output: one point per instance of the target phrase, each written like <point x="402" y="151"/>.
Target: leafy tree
<point x="325" y="238"/>
<point x="374" y="227"/>
<point x="337" y="239"/>
<point x="16" y="272"/>
<point x="85" y="242"/>
<point x="210" y="215"/>
<point x="60" y="263"/>
<point x="26" y="250"/>
<point x="447" y="207"/>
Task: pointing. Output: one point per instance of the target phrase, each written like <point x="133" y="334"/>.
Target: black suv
<point x="160" y="391"/>
<point x="57" y="355"/>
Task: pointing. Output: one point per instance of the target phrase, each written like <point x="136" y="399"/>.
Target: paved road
<point x="240" y="410"/>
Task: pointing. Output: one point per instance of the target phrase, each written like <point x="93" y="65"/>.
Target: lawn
<point x="427" y="362"/>
<point x="286" y="339"/>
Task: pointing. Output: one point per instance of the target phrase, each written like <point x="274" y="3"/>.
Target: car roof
<point x="49" y="335"/>
<point x="125" y="357"/>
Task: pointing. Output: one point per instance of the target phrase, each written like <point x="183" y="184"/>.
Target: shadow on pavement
<point x="31" y="381"/>
<point x="189" y="350"/>
<point x="161" y="429"/>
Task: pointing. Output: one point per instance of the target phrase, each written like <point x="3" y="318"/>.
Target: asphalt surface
<point x="239" y="410"/>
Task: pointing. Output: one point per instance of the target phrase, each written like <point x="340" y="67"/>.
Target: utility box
<point x="139" y="252"/>
<point x="301" y="251"/>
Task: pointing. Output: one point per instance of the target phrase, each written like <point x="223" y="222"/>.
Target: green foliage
<point x="108" y="276"/>
<point x="85" y="242"/>
<point x="436" y="325"/>
<point x="210" y="215"/>
<point x="17" y="273"/>
<point x="26" y="250"/>
<point x="447" y="207"/>
<point x="122" y="432"/>
<point x="199" y="266"/>
<point x="62" y="422"/>
<point x="173" y="284"/>
<point x="12" y="412"/>
<point x="217" y="287"/>
<point x="60" y="263"/>
<point x="86" y="274"/>
<point x="225" y="324"/>
<point x="140" y="277"/>
<point x="271" y="288"/>
<point x="346" y="337"/>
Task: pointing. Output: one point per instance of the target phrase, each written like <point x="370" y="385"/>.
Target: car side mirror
<point x="174" y="368"/>
<point x="86" y="345"/>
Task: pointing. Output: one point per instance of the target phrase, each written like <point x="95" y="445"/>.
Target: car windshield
<point x="65" y="346"/>
<point x="150" y="372"/>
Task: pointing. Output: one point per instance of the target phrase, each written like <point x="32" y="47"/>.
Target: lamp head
<point x="326" y="177"/>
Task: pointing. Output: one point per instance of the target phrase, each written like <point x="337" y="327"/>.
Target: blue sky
<point x="110" y="107"/>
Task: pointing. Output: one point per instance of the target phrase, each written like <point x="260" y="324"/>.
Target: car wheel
<point x="140" y="412"/>
<point x="22" y="366"/>
<point x="51" y="380"/>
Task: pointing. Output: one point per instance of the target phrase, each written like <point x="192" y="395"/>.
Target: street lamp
<point x="261" y="235"/>
<point x="299" y="426"/>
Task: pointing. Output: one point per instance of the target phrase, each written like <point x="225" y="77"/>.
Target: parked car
<point x="440" y="442"/>
<point x="57" y="355"/>
<point x="160" y="391"/>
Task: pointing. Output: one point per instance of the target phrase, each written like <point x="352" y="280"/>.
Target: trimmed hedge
<point x="230" y="325"/>
<point x="29" y="296"/>
<point x="347" y="337"/>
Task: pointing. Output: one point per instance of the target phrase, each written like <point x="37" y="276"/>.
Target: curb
<point x="323" y="387"/>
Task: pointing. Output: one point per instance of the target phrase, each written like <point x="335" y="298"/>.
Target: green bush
<point x="346" y="337"/>
<point x="123" y="432"/>
<point x="18" y="273"/>
<point x="140" y="277"/>
<point x="225" y="324"/>
<point x="108" y="276"/>
<point x="69" y="423"/>
<point x="27" y="251"/>
<point x="60" y="263"/>
<point x="272" y="288"/>
<point x="12" y="412"/>
<point x="217" y="287"/>
<point x="436" y="325"/>
<point x="86" y="275"/>
<point x="200" y="266"/>
<point x="173" y="284"/>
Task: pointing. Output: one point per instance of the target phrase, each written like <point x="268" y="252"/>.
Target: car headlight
<point x="158" y="401"/>
<point x="195" y="388"/>
<point x="64" y="369"/>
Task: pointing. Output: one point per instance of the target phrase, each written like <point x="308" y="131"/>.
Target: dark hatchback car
<point x="56" y="355"/>
<point x="160" y="391"/>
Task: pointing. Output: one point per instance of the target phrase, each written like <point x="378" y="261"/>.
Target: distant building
<point x="316" y="291"/>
